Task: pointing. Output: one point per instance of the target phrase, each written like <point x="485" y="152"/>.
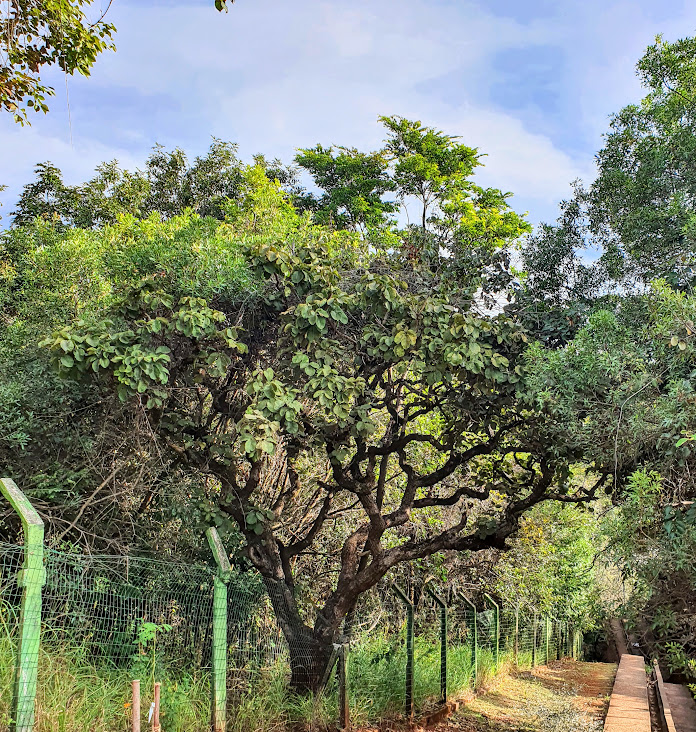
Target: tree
<point x="39" y="33"/>
<point x="405" y="403"/>
<point x="168" y="186"/>
<point x="87" y="463"/>
<point x="609" y="290"/>
<point x="550" y="567"/>
<point x="203" y="187"/>
<point x="464" y="229"/>
<point x="353" y="185"/>
<point x="45" y="198"/>
<point x="635" y="222"/>
<point x="652" y="538"/>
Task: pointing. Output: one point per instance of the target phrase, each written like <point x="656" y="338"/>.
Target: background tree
<point x="353" y="185"/>
<point x="634" y="223"/>
<point x="608" y="294"/>
<point x="168" y="186"/>
<point x="551" y="566"/>
<point x="463" y="229"/>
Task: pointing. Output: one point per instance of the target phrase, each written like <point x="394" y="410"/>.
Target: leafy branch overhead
<point x="35" y="34"/>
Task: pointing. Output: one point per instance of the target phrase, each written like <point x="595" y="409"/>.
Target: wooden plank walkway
<point x="628" y="707"/>
<point x="682" y="707"/>
<point x="678" y="706"/>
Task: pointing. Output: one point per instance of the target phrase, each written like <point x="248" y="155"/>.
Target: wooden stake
<point x="135" y="710"/>
<point x="343" y="701"/>
<point x="155" y="717"/>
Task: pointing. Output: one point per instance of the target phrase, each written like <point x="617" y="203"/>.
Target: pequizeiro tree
<point x="351" y="400"/>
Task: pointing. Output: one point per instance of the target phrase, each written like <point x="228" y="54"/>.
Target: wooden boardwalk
<point x="682" y="707"/>
<point x="628" y="708"/>
<point x="677" y="705"/>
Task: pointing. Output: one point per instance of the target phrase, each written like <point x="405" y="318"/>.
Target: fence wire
<point x="141" y="618"/>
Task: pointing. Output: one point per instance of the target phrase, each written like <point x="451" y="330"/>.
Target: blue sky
<point x="529" y="82"/>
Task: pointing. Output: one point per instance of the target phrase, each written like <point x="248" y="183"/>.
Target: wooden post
<point x="155" y="717"/>
<point x="135" y="710"/>
<point x="31" y="579"/>
<point x="219" y="681"/>
<point x="343" y="699"/>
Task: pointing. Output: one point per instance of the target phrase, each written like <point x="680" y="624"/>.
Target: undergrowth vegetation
<point x="74" y="695"/>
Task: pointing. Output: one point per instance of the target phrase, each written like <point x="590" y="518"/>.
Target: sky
<point x="530" y="83"/>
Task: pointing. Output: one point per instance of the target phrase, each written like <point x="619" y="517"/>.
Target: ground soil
<point x="519" y="701"/>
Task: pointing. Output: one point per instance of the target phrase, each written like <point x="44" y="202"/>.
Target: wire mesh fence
<point x="405" y="650"/>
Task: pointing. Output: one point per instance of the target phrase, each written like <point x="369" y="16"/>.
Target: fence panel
<point x="137" y="617"/>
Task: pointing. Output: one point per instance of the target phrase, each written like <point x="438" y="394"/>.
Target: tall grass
<point x="377" y="674"/>
<point x="74" y="695"/>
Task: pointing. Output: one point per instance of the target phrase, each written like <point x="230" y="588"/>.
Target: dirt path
<point x="567" y="696"/>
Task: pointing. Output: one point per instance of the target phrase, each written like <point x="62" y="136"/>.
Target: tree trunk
<point x="309" y="652"/>
<point x="308" y="659"/>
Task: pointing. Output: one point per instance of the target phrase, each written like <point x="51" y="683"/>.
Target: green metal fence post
<point x="496" y="615"/>
<point x="443" y="643"/>
<point x="219" y="685"/>
<point x="409" y="651"/>
<point x="547" y="628"/>
<point x="32" y="578"/>
<point x="517" y="635"/>
<point x="535" y="630"/>
<point x="559" y="627"/>
<point x="474" y="637"/>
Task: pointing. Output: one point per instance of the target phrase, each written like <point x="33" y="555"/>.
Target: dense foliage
<point x="328" y="398"/>
<point x="614" y="315"/>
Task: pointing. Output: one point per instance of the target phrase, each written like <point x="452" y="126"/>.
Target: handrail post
<point x="222" y="577"/>
<point x="409" y="651"/>
<point x="31" y="578"/>
<point x="474" y="637"/>
<point x="443" y="642"/>
<point x="496" y="615"/>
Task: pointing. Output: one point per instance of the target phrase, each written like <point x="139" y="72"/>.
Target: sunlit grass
<point x="75" y="695"/>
